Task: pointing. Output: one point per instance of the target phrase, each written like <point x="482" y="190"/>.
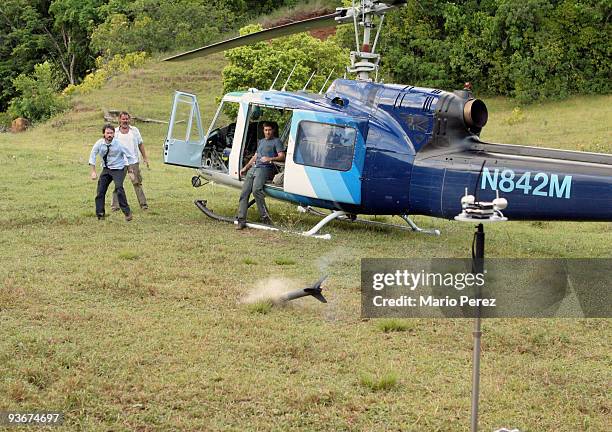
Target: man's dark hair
<point x="107" y="126"/>
<point x="269" y="124"/>
<point x="124" y="113"/>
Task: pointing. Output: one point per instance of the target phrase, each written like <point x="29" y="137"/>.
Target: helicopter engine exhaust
<point x="475" y="113"/>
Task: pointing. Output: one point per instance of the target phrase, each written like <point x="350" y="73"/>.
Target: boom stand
<point x="481" y="212"/>
<point x="477" y="267"/>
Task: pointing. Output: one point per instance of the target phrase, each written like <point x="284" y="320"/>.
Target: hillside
<point x="142" y="326"/>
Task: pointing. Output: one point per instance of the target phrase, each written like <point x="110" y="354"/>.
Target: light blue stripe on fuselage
<point x="331" y="185"/>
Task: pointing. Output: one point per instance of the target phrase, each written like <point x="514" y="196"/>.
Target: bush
<point x="37" y="98"/>
<point x="5" y="121"/>
<point x="257" y="65"/>
<point x="159" y="26"/>
<point x="106" y="69"/>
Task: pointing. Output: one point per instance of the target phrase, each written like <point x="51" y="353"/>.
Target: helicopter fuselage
<point x="386" y="149"/>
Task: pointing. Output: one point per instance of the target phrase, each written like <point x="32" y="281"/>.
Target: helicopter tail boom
<point x="539" y="183"/>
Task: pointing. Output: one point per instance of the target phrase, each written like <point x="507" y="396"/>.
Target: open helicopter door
<point x="325" y="156"/>
<point x="185" y="140"/>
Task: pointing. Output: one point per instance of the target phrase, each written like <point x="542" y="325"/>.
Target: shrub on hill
<point x="106" y="69"/>
<point x="257" y="65"/>
<point x="37" y="98"/>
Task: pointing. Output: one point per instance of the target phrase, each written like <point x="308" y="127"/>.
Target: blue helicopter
<point x="364" y="147"/>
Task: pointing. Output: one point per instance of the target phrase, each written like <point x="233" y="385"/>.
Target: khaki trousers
<point x="133" y="172"/>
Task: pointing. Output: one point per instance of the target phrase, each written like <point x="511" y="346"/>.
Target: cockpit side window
<point x="325" y="145"/>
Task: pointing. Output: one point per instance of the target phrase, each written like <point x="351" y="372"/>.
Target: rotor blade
<point x="271" y="33"/>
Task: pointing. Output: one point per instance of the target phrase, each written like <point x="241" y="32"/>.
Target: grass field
<point x="142" y="325"/>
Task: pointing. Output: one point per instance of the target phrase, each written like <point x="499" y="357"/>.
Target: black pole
<point x="477" y="267"/>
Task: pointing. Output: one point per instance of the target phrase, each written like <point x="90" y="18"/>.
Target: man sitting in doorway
<point x="260" y="169"/>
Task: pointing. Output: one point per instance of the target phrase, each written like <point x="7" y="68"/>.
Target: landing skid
<point x="201" y="204"/>
<point x="343" y="216"/>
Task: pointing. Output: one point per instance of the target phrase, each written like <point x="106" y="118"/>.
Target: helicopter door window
<point x="220" y="137"/>
<point x="324" y="145"/>
<point x="224" y="125"/>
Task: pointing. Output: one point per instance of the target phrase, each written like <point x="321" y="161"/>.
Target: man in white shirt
<point x="129" y="137"/>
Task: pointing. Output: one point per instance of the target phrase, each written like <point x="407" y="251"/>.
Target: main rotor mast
<point x="364" y="60"/>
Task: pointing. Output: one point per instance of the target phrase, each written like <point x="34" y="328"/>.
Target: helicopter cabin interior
<point x="222" y="139"/>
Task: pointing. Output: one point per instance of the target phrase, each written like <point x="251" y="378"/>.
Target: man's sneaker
<point x="128" y="217"/>
<point x="266" y="220"/>
<point x="100" y="216"/>
<point x="144" y="207"/>
<point x="241" y="225"/>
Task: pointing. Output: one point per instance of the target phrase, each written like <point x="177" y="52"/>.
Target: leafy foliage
<point x="37" y="94"/>
<point x="257" y="65"/>
<point x="529" y="49"/>
<point x="70" y="33"/>
<point x="34" y="31"/>
<point x="22" y="43"/>
<point x="158" y="26"/>
<point x="106" y="69"/>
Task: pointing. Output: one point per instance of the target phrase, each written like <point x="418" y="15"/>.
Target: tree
<point x="32" y="31"/>
<point x="70" y="24"/>
<point x="158" y="26"/>
<point x="22" y="43"/>
<point x="528" y="49"/>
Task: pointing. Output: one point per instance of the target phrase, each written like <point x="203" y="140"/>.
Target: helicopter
<point x="364" y="147"/>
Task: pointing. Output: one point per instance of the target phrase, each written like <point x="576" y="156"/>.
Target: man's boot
<point x="241" y="224"/>
<point x="266" y="220"/>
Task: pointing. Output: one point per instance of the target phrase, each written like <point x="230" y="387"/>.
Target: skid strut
<point x="343" y="216"/>
<point x="201" y="204"/>
<point x="416" y="228"/>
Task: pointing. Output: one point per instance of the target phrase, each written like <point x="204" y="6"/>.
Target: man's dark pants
<point x="108" y="176"/>
<point x="254" y="182"/>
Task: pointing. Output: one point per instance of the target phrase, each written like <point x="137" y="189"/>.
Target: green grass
<point x="388" y="325"/>
<point x="164" y="342"/>
<point x="386" y="381"/>
<point x="261" y="307"/>
<point x="128" y="255"/>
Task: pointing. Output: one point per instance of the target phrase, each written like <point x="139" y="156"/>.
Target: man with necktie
<point x="115" y="159"/>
